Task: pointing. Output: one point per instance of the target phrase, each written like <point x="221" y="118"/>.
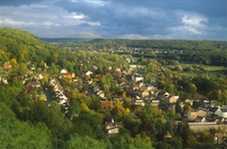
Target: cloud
<point x="169" y="19"/>
<point x="133" y="36"/>
<point x="14" y="23"/>
<point x="117" y="20"/>
<point x="18" y="2"/>
<point x="193" y="30"/>
<point x="76" y="15"/>
<point x="193" y="20"/>
<point x="11" y="22"/>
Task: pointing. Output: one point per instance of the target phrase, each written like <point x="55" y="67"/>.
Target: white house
<point x="112" y="127"/>
<point x="222" y="112"/>
<point x="88" y="73"/>
<point x="63" y="71"/>
<point x="62" y="102"/>
<point x="139" y="102"/>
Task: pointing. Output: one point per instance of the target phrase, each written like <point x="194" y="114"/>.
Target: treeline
<point x="204" y="52"/>
<point x="156" y="44"/>
<point x="217" y="58"/>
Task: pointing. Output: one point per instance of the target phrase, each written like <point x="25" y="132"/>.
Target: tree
<point x="224" y="97"/>
<point x="149" y="113"/>
<point x="178" y="68"/>
<point x="127" y="142"/>
<point x="174" y="142"/>
<point x="219" y="95"/>
<point x="171" y="88"/>
<point x="86" y="142"/>
<point x="20" y="134"/>
<point x="178" y="108"/>
<point x="74" y="109"/>
<point x="43" y="97"/>
<point x="53" y="119"/>
<point x="161" y="84"/>
<point x="142" y="143"/>
<point x="169" y="127"/>
<point x="191" y="89"/>
<point x="89" y="124"/>
<point x="160" y="130"/>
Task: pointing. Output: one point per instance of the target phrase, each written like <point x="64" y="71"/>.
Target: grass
<point x="213" y="71"/>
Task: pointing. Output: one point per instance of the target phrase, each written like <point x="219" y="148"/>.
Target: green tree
<point x="191" y="89"/>
<point x="86" y="142"/>
<point x="42" y="97"/>
<point x="74" y="109"/>
<point x="19" y="134"/>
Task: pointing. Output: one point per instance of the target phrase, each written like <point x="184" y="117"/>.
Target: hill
<point x="155" y="44"/>
<point x="23" y="46"/>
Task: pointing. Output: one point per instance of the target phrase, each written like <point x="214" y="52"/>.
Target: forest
<point x="68" y="93"/>
<point x="204" y="52"/>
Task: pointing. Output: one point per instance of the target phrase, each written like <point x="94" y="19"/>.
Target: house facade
<point x="193" y="114"/>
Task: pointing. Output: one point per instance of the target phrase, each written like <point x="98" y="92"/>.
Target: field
<point x="193" y="70"/>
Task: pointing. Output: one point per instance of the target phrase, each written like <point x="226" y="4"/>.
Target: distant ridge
<point x="148" y="43"/>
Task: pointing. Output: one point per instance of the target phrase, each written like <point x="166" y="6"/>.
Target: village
<point x="203" y="115"/>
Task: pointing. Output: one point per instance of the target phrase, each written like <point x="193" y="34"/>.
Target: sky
<point x="122" y="19"/>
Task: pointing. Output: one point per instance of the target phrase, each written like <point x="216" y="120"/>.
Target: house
<point x="90" y="82"/>
<point x="65" y="107"/>
<point x="139" y="102"/>
<point x="211" y="111"/>
<point x="173" y="99"/>
<point x="112" y="128"/>
<point x="39" y="77"/>
<point x="73" y="75"/>
<point x="200" y="119"/>
<point x="220" y="137"/>
<point x="221" y="112"/>
<point x="3" y="80"/>
<point x="154" y="102"/>
<point x="89" y="73"/>
<point x="118" y="69"/>
<point x="117" y="75"/>
<point x="62" y="102"/>
<point x="52" y="82"/>
<point x="132" y="67"/>
<point x="110" y="68"/>
<point x="31" y="86"/>
<point x="101" y="94"/>
<point x="193" y="114"/>
<point x="189" y="101"/>
<point x="137" y="77"/>
<point x="145" y="93"/>
<point x="151" y="89"/>
<point x="95" y="67"/>
<point x="7" y="65"/>
<point x="128" y="59"/>
<point x="106" y="104"/>
<point x="118" y="100"/>
<point x="166" y="95"/>
<point x="63" y="71"/>
<point x="167" y="135"/>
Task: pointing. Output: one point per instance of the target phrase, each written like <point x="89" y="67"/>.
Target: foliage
<point x="18" y="134"/>
<point x="76" y="141"/>
<point x="28" y="121"/>
<point x="23" y="46"/>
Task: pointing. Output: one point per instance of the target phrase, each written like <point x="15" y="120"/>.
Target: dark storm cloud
<point x="178" y="19"/>
<point x="120" y="18"/>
